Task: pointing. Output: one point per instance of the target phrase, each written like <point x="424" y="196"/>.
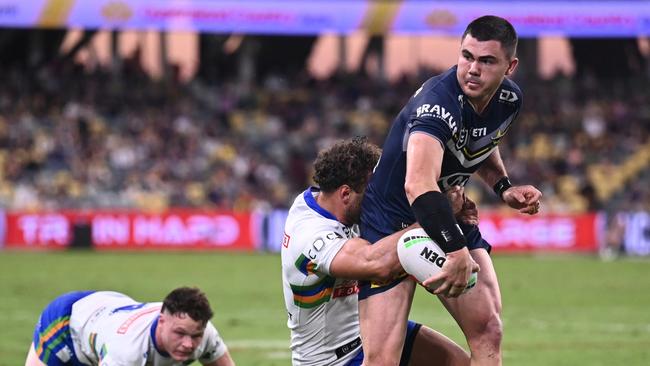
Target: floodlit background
<point x="150" y="144"/>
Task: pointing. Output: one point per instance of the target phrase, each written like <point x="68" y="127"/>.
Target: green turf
<point x="558" y="310"/>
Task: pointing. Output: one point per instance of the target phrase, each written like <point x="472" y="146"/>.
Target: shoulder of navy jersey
<point x="509" y="94"/>
<point x="435" y="108"/>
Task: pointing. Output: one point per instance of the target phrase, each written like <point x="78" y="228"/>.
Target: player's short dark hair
<point x="346" y="162"/>
<point x="493" y="28"/>
<point x="190" y="301"/>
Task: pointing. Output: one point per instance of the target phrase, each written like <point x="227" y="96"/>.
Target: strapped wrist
<point x="501" y="186"/>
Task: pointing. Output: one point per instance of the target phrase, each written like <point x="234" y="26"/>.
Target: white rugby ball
<point x="422" y="258"/>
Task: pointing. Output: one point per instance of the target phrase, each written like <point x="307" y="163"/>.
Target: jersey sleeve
<point x="319" y="247"/>
<point x="215" y="347"/>
<point x="436" y="114"/>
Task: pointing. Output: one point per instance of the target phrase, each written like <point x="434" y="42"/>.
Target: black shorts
<point x="368" y="288"/>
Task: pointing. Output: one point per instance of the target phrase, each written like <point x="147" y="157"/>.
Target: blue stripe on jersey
<point x="310" y="290"/>
<point x="52" y="333"/>
<point x="305" y="266"/>
<point x="311" y="202"/>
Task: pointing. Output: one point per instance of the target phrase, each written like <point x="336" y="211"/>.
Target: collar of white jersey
<point x="154" y="325"/>
<point x="308" y="195"/>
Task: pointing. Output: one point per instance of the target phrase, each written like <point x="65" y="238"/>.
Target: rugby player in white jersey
<point x="106" y="328"/>
<point x="322" y="257"/>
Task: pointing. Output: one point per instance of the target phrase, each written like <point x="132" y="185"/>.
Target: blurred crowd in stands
<point x="74" y="139"/>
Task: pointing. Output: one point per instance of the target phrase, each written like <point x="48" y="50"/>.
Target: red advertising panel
<point x="174" y="229"/>
<point x="38" y="230"/>
<point x="541" y="233"/>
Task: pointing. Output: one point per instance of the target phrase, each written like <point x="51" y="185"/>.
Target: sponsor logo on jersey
<point x="347" y="348"/>
<point x="479" y="132"/>
<point x="347" y="231"/>
<point x="461" y="142"/>
<point x="333" y="236"/>
<point x="318" y="244"/>
<point x="436" y="111"/>
<point x="128" y="322"/>
<point x="508" y="96"/>
<point x="346" y="288"/>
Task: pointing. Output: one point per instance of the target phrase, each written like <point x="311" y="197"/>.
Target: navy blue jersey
<point x="440" y="109"/>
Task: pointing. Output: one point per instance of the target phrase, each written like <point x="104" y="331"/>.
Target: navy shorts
<point x="412" y="329"/>
<point x="369" y="288"/>
<point x="52" y="340"/>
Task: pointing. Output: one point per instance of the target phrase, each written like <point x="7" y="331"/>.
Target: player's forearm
<point x="361" y="261"/>
<point x="492" y="169"/>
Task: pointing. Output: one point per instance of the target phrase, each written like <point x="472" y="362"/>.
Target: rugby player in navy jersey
<point x="322" y="257"/>
<point x="448" y="130"/>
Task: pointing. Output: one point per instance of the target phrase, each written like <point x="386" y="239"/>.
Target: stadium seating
<point x="70" y="138"/>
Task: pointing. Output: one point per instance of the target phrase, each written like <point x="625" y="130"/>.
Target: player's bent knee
<point x="487" y="334"/>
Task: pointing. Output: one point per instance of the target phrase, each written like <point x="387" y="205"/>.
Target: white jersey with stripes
<point x="322" y="310"/>
<point x="111" y="329"/>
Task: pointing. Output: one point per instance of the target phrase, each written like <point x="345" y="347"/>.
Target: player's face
<point x="482" y="67"/>
<point x="180" y="335"/>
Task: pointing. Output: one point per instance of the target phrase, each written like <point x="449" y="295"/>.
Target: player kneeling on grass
<point x="109" y="328"/>
<point x="322" y="257"/>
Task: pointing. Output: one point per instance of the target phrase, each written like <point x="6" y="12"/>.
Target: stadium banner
<point x="516" y="233"/>
<point x="555" y="233"/>
<point x="530" y="18"/>
<point x="227" y="16"/>
<point x="177" y="229"/>
<point x="636" y="240"/>
<point x="582" y="18"/>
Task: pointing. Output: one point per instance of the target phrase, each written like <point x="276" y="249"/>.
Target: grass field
<point x="558" y="310"/>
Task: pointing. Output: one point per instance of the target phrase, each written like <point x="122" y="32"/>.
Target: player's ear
<point x="344" y="193"/>
<point x="512" y="66"/>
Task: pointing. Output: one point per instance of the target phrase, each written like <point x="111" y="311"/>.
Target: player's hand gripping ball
<point x="422" y="258"/>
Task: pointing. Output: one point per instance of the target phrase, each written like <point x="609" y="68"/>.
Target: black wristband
<point x="433" y="211"/>
<point x="501" y="186"/>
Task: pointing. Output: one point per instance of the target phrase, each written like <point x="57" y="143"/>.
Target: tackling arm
<point x="360" y="260"/>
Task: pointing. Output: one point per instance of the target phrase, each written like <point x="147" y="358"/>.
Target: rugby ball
<point x="422" y="258"/>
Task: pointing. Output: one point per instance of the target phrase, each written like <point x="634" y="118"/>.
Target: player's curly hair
<point x="190" y="301"/>
<point x="347" y="162"/>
